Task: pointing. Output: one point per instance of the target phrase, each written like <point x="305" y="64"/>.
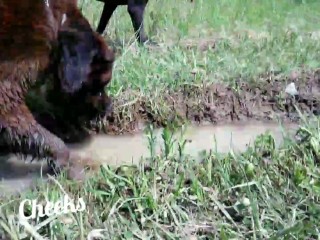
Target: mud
<point x="128" y="149"/>
<point x="261" y="99"/>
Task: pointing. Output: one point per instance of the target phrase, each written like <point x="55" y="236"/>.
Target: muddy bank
<point x="262" y="99"/>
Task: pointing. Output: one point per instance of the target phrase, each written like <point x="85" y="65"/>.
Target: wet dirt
<point x="128" y="149"/>
<point x="261" y="99"/>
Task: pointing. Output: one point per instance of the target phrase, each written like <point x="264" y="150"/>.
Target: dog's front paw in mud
<point x="82" y="166"/>
<point x="77" y="167"/>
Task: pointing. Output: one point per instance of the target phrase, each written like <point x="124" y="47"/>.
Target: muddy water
<point x="115" y="150"/>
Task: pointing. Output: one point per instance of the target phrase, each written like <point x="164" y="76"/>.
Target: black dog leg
<point x="136" y="10"/>
<point x="107" y="12"/>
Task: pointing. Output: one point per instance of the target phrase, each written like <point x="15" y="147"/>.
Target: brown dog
<point x="135" y="9"/>
<point x="41" y="37"/>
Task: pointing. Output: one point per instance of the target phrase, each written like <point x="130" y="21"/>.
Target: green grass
<point x="262" y="193"/>
<point x="250" y="38"/>
<point x="281" y="40"/>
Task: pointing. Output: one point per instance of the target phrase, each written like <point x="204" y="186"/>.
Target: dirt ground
<point x="263" y="99"/>
<point x="219" y="103"/>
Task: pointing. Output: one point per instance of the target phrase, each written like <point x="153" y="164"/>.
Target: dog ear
<point x="76" y="52"/>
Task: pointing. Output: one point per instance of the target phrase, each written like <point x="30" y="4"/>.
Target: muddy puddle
<point x="116" y="150"/>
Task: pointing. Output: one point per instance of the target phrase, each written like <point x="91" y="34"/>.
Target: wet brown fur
<point x="29" y="31"/>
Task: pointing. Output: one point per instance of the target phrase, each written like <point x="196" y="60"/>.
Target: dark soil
<point x="262" y="99"/>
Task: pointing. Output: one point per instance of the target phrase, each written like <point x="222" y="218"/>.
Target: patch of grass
<point x="204" y="43"/>
<point x="252" y="37"/>
<point x="262" y="193"/>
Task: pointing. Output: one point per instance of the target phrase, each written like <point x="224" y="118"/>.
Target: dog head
<point x="83" y="67"/>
